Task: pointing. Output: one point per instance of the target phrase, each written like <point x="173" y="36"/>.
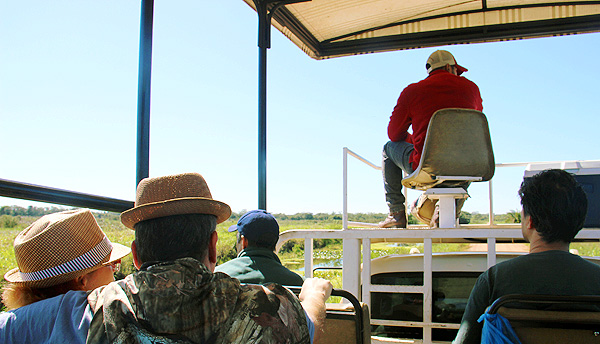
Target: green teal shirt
<point x="259" y="265"/>
<point x="543" y="273"/>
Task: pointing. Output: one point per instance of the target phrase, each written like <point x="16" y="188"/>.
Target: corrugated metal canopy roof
<point x="332" y="28"/>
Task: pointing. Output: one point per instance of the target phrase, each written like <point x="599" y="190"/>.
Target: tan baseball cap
<point x="440" y="58"/>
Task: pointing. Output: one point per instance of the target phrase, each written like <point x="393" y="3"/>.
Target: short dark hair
<point x="556" y="204"/>
<point x="270" y="245"/>
<point x="172" y="237"/>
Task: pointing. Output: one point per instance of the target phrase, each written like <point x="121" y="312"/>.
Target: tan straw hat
<point x="178" y="194"/>
<point x="61" y="247"/>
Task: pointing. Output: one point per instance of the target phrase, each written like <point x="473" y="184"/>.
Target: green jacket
<point x="258" y="266"/>
<point x="183" y="302"/>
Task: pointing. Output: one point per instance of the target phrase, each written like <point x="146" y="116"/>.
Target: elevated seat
<point x="456" y="152"/>
<point x="551" y="319"/>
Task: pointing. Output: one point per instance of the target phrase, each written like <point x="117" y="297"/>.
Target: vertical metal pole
<point x="308" y="258"/>
<point x="491" y="222"/>
<point x="144" y="77"/>
<point x="491" y="253"/>
<point x="345" y="190"/>
<point x="427" y="289"/>
<point x="351" y="268"/>
<point x="366" y="272"/>
<point x="263" y="45"/>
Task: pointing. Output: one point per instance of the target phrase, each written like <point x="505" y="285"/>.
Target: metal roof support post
<point x="264" y="43"/>
<point x="144" y="76"/>
<point x="265" y="10"/>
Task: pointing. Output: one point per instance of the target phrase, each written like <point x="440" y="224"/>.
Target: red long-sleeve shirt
<point x="418" y="102"/>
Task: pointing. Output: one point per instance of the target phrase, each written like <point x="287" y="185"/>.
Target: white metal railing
<point x="361" y="275"/>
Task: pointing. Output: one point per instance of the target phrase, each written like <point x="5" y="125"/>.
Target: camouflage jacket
<point x="183" y="302"/>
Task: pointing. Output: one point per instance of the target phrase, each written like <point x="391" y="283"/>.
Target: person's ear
<point x="134" y="254"/>
<point x="212" y="247"/>
<point x="244" y="242"/>
<point x="529" y="223"/>
<point x="81" y="282"/>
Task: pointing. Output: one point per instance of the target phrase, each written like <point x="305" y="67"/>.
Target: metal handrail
<point x="347" y="151"/>
<point x="32" y="192"/>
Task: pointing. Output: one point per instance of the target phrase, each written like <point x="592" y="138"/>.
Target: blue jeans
<point x="395" y="160"/>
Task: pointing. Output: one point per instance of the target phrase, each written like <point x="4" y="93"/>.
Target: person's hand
<point x="316" y="287"/>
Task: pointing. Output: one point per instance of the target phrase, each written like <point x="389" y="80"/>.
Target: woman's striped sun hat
<point x="61" y="247"/>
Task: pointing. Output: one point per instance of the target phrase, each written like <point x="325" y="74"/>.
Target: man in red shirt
<point x="443" y="88"/>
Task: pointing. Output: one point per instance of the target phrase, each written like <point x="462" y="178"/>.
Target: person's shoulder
<point x="227" y="264"/>
<point x="415" y="85"/>
<point x="6" y="317"/>
<point x="295" y="279"/>
<point x="466" y="81"/>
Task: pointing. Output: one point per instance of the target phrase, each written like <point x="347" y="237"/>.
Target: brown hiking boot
<point x="394" y="220"/>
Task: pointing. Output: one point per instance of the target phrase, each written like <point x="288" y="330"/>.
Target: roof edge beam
<point x="477" y="34"/>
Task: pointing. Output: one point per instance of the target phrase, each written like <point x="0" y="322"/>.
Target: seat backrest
<point x="345" y="323"/>
<point x="341" y="325"/>
<point x="561" y="319"/>
<point x="457" y="143"/>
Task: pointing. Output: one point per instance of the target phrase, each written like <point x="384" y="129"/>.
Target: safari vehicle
<point x="453" y="276"/>
<point x="333" y="28"/>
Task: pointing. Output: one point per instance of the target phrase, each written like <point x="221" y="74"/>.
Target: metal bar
<point x="453" y="15"/>
<point x="363" y="159"/>
<point x="144" y="78"/>
<point x="590" y="23"/>
<point x="351" y="271"/>
<point x="427" y="289"/>
<point x="265" y="10"/>
<point x="381" y="288"/>
<point x="543" y="300"/>
<point x="491" y="252"/>
<point x="413" y="324"/>
<point x="366" y="272"/>
<point x="465" y="178"/>
<point x="491" y="196"/>
<point x="358" y="314"/>
<point x="345" y="189"/>
<point x="263" y="44"/>
<point x="32" y="192"/>
<point x="308" y="258"/>
<point x="498" y="232"/>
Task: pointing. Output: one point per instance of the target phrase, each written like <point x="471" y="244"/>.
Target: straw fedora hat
<point x="178" y="194"/>
<point x="61" y="247"/>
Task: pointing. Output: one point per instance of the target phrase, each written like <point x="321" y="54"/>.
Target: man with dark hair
<point x="554" y="210"/>
<point x="257" y="236"/>
<point x="443" y="88"/>
<point x="176" y="298"/>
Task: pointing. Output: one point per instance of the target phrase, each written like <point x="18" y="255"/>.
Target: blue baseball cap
<point x="258" y="226"/>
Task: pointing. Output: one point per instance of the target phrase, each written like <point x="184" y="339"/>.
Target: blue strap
<point x="497" y="330"/>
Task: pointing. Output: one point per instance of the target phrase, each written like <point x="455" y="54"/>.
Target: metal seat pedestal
<point x="447" y="202"/>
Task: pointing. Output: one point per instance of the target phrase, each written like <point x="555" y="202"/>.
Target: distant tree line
<point x="465" y="217"/>
<point x="14" y="210"/>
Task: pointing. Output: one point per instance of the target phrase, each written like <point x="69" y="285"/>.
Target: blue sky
<point x="68" y="104"/>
